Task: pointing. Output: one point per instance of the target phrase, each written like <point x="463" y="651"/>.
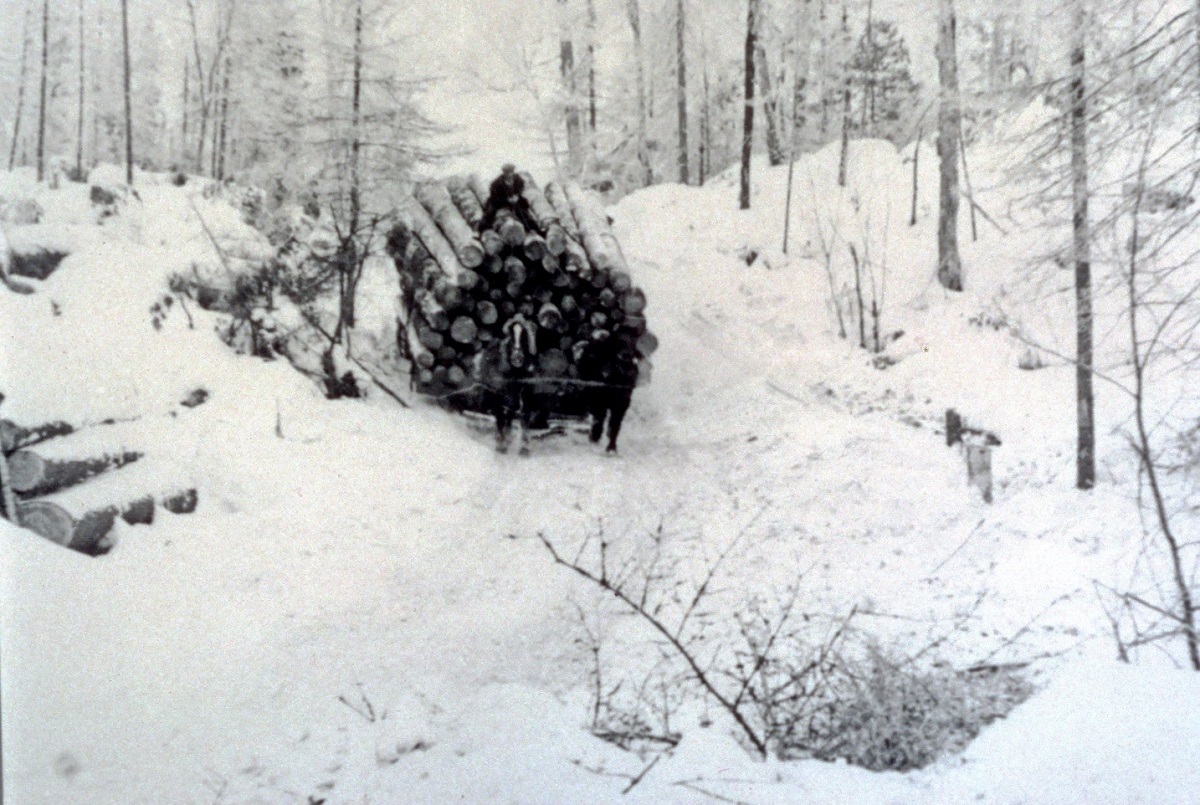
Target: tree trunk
<point x="949" y="270"/>
<point x="566" y="56"/>
<point x="41" y="137"/>
<point x="201" y="88"/>
<point x="912" y="220"/>
<point x="681" y="90"/>
<point x="1085" y="476"/>
<point x="591" y="66"/>
<point x="82" y="97"/>
<point x="601" y="245"/>
<point x="24" y="71"/>
<point x="128" y="93"/>
<point x="187" y="101"/>
<point x="775" y="154"/>
<point x="224" y="116"/>
<point x="844" y="153"/>
<point x="412" y="216"/>
<point x="748" y="110"/>
<point x="633" y="10"/>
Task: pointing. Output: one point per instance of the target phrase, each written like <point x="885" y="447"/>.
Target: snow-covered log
<point x="412" y="216"/>
<point x="49" y="468"/>
<point x="598" y="240"/>
<point x="82" y="517"/>
<point x="14" y="436"/>
<point x="436" y="200"/>
<point x="465" y="200"/>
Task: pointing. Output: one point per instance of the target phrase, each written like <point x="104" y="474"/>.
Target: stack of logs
<point x="43" y="472"/>
<point x="467" y="268"/>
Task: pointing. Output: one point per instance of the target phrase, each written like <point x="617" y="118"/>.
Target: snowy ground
<point x="359" y="609"/>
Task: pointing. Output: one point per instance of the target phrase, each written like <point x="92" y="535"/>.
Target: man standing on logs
<point x="608" y="365"/>
<point x="507" y="192"/>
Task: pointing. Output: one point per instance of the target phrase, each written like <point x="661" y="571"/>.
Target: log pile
<point x="471" y="258"/>
<point x="69" y="483"/>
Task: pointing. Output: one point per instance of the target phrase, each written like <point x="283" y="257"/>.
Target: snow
<point x="358" y="608"/>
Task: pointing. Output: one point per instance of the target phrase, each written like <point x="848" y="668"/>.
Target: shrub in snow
<point x="791" y="685"/>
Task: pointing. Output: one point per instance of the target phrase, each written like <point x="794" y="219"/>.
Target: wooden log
<point x="633" y="301"/>
<point x="607" y="300"/>
<point x="557" y="197"/>
<point x="464" y="329"/>
<point x="413" y="215"/>
<point x="488" y="314"/>
<point x="542" y="212"/>
<point x="598" y="279"/>
<point x="510" y="229"/>
<point x="596" y="235"/>
<point x="620" y="281"/>
<point x="446" y="355"/>
<point x="465" y="199"/>
<point x="449" y="296"/>
<point x="493" y="244"/>
<point x="82" y="517"/>
<point x="516" y="273"/>
<point x="433" y="312"/>
<point x="419" y="351"/>
<point x="436" y="200"/>
<point x="647" y="343"/>
<point x="575" y="258"/>
<point x="456" y="376"/>
<point x="479" y="189"/>
<point x="41" y="471"/>
<point x="535" y="248"/>
<point x="14" y="436"/>
<point x="428" y="337"/>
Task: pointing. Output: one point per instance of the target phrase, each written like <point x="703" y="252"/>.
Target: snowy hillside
<point x="360" y="609"/>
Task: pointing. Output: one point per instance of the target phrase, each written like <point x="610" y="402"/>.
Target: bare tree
<point x="24" y="71"/>
<point x="681" y="89"/>
<point x="1085" y="476"/>
<point x="570" y="85"/>
<point x="128" y="92"/>
<point x="748" y="94"/>
<point x="949" y="271"/>
<point x="41" y="137"/>
<point x="634" y="13"/>
<point x="82" y="96"/>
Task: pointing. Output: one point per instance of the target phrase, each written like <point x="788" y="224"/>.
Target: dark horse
<point x="504" y="369"/>
<point x="608" y="365"/>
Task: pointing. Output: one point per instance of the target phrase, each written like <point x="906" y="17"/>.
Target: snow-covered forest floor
<point x="360" y="610"/>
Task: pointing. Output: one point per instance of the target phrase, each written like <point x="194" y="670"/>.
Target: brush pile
<point x="472" y="258"/>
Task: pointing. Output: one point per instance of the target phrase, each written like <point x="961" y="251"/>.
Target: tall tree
<point x="1085" y="476"/>
<point x="21" y="80"/>
<point x="566" y="64"/>
<point x="634" y="13"/>
<point x="847" y="120"/>
<point x="949" y="271"/>
<point x="681" y="89"/>
<point x="128" y="92"/>
<point x="748" y="109"/>
<point x="82" y="96"/>
<point x="41" y="137"/>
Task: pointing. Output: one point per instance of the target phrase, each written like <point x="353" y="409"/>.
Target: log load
<point x="82" y="517"/>
<point x="553" y="259"/>
<point x="436" y="200"/>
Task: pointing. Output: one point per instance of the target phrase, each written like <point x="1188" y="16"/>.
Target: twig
<point x="961" y="545"/>
<point x="638" y="778"/>
<point x="688" y="784"/>
<point x="211" y="237"/>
